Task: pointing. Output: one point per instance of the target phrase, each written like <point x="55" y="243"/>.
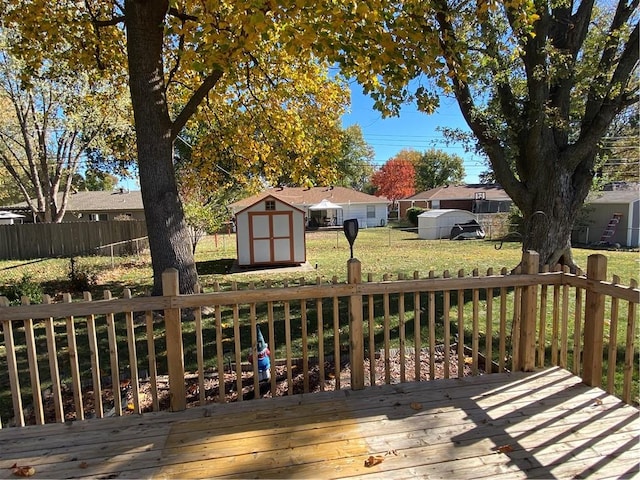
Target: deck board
<point x="554" y="427"/>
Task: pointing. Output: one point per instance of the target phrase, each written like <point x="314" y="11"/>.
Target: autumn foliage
<point x="395" y="180"/>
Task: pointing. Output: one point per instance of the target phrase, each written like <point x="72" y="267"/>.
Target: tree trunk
<point x="166" y="226"/>
<point x="550" y="216"/>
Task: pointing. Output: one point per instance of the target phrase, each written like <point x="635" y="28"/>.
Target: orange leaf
<point x="504" y="448"/>
<point x="371" y="461"/>
<point x="24" y="471"/>
<point x="84" y="465"/>
<point x="416" y="406"/>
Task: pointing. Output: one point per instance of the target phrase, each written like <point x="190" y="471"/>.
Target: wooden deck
<point x="543" y="425"/>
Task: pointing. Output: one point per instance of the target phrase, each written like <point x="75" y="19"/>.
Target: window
<point x="270" y="205"/>
<point x="371" y="211"/>
<point x="96" y="217"/>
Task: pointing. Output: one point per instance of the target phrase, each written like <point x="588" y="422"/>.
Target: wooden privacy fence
<point x="75" y="359"/>
<point x="46" y="240"/>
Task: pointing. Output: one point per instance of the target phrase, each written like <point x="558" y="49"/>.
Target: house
<point x="475" y="198"/>
<point x="270" y="232"/>
<point x="613" y="216"/>
<point x="94" y="206"/>
<point x="10" y="218"/>
<point x="327" y="206"/>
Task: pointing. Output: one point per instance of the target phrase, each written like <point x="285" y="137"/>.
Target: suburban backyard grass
<point x="380" y="250"/>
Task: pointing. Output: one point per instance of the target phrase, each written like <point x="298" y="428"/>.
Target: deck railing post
<point x="356" y="329"/>
<point x="175" y="349"/>
<point x="594" y="322"/>
<point x="526" y="360"/>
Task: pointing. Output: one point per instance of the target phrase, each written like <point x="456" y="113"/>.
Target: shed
<point x="270" y="232"/>
<point x="438" y="223"/>
<point x="623" y="201"/>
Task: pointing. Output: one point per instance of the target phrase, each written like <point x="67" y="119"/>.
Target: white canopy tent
<point x="332" y="212"/>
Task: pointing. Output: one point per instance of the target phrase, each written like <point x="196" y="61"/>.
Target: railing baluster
<point x="34" y="373"/>
<point x="461" y="355"/>
<point x="52" y="353"/>
<point x="153" y="368"/>
<point x="387" y="334"/>
<point x="447" y="329"/>
<point x="321" y="372"/>
<point x="628" y="351"/>
<point x="542" y="328"/>
<point x="95" y="360"/>
<point x="287" y="342"/>
<point x="199" y="348"/>
<point x="489" y="327"/>
<point x="73" y="361"/>
<point x="113" y="357"/>
<point x="613" y="341"/>
<point x="12" y="365"/>
<point x="336" y="336"/>
<point x="402" y="333"/>
<point x="577" y="332"/>
<point x="555" y="326"/>
<point x="564" y="328"/>
<point x="372" y="334"/>
<point x="272" y="342"/>
<point x="417" y="333"/>
<point x="254" y="345"/>
<point x="475" y="336"/>
<point x="222" y="395"/>
<point x="503" y="325"/>
<point x="133" y="356"/>
<point x="305" y="342"/>
<point x="237" y="346"/>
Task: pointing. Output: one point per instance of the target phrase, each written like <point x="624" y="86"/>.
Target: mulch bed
<point x="282" y="386"/>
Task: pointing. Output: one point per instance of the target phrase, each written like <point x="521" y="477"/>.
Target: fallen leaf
<point x="468" y="360"/>
<point x="24" y="471"/>
<point x="391" y="452"/>
<point x="371" y="461"/>
<point x="130" y="406"/>
<point x="84" y="465"/>
<point x="598" y="401"/>
<point x="504" y="449"/>
<point x="416" y="406"/>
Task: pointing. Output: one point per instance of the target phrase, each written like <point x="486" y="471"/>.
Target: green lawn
<point x="381" y="251"/>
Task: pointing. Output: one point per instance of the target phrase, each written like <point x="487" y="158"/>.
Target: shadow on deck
<point x="545" y="424"/>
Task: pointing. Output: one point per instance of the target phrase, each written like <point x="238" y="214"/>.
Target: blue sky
<point x="412" y="129"/>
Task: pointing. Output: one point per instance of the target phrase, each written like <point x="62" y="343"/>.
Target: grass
<point x="380" y="250"/>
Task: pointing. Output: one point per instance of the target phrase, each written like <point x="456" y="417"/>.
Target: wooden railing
<point x="118" y="355"/>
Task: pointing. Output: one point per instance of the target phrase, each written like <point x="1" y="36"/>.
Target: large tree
<point x="437" y="168"/>
<point x="46" y="126"/>
<point x="395" y="179"/>
<point x="538" y="83"/>
<point x="175" y="53"/>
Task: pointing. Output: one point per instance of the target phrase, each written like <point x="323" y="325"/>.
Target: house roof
<point x="301" y="196"/>
<point x="115" y="200"/>
<point x="265" y="198"/>
<point x="625" y="196"/>
<point x="461" y="192"/>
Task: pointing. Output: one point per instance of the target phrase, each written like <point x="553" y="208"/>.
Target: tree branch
<point x="193" y="103"/>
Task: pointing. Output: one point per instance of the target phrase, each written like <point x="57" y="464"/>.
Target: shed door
<point x="271" y="236"/>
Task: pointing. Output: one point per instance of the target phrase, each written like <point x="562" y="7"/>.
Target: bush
<point x="412" y="214"/>
<point x="80" y="280"/>
<point x="26" y="287"/>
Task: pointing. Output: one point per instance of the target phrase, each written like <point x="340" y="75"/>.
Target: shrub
<point x="80" y="280"/>
<point x="412" y="214"/>
<point x="26" y="287"/>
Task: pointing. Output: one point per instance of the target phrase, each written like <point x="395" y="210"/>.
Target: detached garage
<point x="437" y="223"/>
<point x="270" y="232"/>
